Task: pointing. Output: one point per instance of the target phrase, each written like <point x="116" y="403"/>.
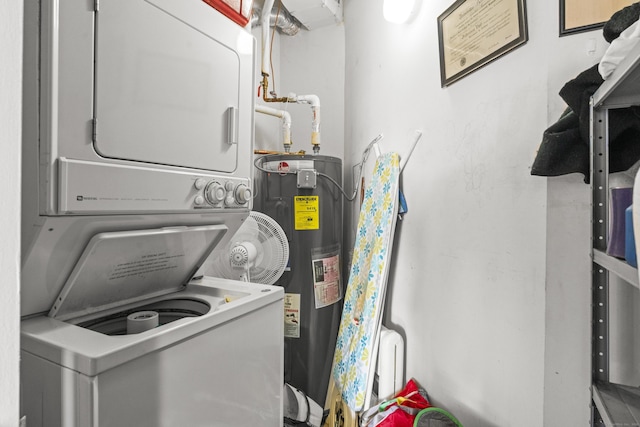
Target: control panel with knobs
<point x="221" y="193"/>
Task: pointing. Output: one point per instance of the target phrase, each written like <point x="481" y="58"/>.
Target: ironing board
<point x="354" y="359"/>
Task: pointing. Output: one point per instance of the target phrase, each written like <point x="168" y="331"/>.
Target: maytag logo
<point x="79" y="198"/>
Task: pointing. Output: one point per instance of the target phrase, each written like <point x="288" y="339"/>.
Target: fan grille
<point x="264" y="264"/>
<point x="239" y="256"/>
<point x="274" y="250"/>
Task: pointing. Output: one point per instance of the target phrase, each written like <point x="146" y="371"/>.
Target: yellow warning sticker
<point x="307" y="212"/>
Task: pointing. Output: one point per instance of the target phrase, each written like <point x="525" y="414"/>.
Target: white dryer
<point x="137" y="168"/>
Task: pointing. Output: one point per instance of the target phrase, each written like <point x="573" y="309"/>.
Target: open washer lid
<point x="118" y="268"/>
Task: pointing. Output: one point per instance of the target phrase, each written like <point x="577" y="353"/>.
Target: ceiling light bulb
<point x="398" y="11"/>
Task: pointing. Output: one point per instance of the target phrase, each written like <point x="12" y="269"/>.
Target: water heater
<point x="301" y="193"/>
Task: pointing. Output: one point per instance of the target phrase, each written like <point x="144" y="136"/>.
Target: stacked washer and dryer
<point x="137" y="169"/>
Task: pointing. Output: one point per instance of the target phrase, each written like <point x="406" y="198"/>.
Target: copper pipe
<point x="297" y="153"/>
<point x="265" y="87"/>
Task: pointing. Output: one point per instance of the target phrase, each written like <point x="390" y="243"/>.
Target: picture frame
<point x="473" y="33"/>
<point x="577" y="16"/>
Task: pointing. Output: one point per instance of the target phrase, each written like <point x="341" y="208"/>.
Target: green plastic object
<point x="435" y="417"/>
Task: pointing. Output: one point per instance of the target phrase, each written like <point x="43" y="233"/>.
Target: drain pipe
<point x="286" y="123"/>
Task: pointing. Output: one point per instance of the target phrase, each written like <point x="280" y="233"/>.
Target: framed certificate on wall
<point x="585" y="15"/>
<point x="473" y="33"/>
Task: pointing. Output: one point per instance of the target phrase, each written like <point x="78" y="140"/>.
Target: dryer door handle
<point x="232" y="125"/>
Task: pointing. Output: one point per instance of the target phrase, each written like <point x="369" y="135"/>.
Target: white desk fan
<point x="258" y="252"/>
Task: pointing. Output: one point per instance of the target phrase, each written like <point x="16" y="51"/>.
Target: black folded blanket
<point x="565" y="145"/>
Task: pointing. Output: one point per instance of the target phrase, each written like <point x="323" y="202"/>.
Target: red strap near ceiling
<point x="228" y="11"/>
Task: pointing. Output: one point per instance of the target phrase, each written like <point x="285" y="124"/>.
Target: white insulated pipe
<point x="266" y="27"/>
<point x="314" y="101"/>
<point x="286" y="123"/>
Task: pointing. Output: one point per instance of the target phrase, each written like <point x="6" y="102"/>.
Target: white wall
<point x="568" y="303"/>
<point x="468" y="287"/>
<point x="10" y="131"/>
<point x="490" y="278"/>
<point x="467" y="290"/>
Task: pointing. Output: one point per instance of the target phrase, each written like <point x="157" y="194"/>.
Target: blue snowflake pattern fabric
<point x="352" y="363"/>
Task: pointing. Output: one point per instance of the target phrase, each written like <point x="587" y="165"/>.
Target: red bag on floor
<point x="400" y="411"/>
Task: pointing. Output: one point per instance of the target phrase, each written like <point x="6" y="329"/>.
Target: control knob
<point x="199" y="183"/>
<point x="243" y="194"/>
<point x="214" y="193"/>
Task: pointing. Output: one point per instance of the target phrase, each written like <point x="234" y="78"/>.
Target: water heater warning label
<point x="307" y="212"/>
<point x="292" y="315"/>
<point x="326" y="280"/>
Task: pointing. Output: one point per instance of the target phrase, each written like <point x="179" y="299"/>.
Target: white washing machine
<point x="137" y="168"/>
<point x="131" y="341"/>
